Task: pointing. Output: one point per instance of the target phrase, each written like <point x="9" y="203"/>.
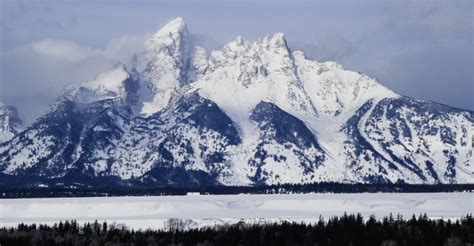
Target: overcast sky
<point x="422" y="49"/>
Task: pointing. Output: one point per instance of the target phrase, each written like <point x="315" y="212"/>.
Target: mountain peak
<point x="110" y="80"/>
<point x="106" y="85"/>
<point x="175" y="26"/>
<point x="241" y="41"/>
<point x="171" y="34"/>
<point x="9" y="122"/>
<point x="275" y="40"/>
<point x="170" y="54"/>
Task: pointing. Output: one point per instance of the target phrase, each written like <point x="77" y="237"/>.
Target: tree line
<point x="345" y="230"/>
<point x="321" y="187"/>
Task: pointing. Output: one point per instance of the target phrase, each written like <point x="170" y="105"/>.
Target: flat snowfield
<point x="208" y="210"/>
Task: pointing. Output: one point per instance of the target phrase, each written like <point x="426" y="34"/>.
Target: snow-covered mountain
<point x="249" y="113"/>
<point x="10" y="123"/>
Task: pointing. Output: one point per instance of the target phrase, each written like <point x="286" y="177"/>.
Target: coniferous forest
<point x="322" y="187"/>
<point x="346" y="230"/>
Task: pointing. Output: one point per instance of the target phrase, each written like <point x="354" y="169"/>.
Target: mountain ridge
<point x="251" y="113"/>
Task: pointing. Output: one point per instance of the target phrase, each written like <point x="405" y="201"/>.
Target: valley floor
<point x="207" y="210"/>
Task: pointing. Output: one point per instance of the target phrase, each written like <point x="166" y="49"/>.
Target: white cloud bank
<point x="118" y="49"/>
<point x="37" y="73"/>
<point x="64" y="50"/>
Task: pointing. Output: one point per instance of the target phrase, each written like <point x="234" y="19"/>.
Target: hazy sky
<point x="422" y="49"/>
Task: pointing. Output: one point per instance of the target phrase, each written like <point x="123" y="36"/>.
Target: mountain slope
<point x="251" y="113"/>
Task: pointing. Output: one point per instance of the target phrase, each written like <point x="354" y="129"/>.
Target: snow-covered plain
<point x="209" y="210"/>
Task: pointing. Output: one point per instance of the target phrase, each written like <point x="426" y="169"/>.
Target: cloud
<point x="64" y="50"/>
<point x="118" y="49"/>
<point x="412" y="74"/>
<point x="206" y="41"/>
<point x="34" y="75"/>
<point x="329" y="47"/>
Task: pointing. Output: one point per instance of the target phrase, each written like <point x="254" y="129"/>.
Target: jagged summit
<point x="177" y="26"/>
<point x="110" y="85"/>
<point x="109" y="81"/>
<point x="10" y="122"/>
<point x="172" y="35"/>
<point x="261" y="70"/>
<point x="249" y="113"/>
<point x="170" y="56"/>
<point x="275" y="40"/>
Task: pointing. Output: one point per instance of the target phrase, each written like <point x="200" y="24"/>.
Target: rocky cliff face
<point x="10" y="123"/>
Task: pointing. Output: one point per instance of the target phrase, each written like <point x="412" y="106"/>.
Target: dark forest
<point x="345" y="230"/>
<point x="323" y="187"/>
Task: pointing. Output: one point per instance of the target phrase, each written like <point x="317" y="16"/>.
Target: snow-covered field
<point x="208" y="210"/>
